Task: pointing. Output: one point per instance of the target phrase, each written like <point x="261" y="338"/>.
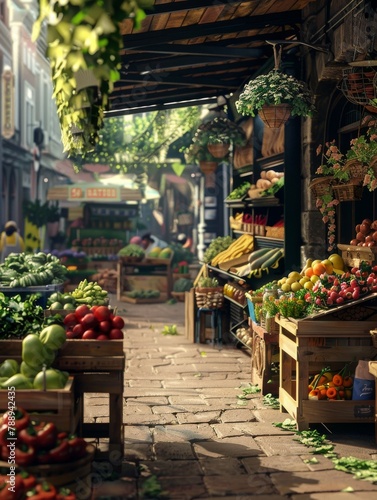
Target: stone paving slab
<point x="257" y="484"/>
<point x="173" y="451"/>
<point x="237" y="447"/>
<point x="274" y="464"/>
<point x="183" y="432"/>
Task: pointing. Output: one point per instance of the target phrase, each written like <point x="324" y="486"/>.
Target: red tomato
<point x="70" y="320"/>
<point x="78" y="330"/>
<point x="70" y="334"/>
<point x="93" y="309"/>
<point x="102" y="313"/>
<point x="115" y="333"/>
<point x="88" y="320"/>
<point x="118" y="322"/>
<point x="102" y="336"/>
<point x="105" y="326"/>
<point x="89" y="334"/>
<point x="81" y="311"/>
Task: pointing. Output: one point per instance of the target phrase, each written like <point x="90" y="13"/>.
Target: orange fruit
<point x="309" y="272"/>
<point x="319" y="269"/>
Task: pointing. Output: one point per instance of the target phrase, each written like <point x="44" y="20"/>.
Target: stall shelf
<point x="149" y="274"/>
<point x="265" y="347"/>
<point x="332" y="338"/>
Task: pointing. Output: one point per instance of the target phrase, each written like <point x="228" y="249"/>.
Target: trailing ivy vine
<point x="84" y="42"/>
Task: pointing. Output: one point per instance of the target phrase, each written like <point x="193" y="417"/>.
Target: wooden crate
<point x="264" y="346"/>
<point x="59" y="406"/>
<point x="354" y="255"/>
<point x="98" y="367"/>
<point x="307" y="346"/>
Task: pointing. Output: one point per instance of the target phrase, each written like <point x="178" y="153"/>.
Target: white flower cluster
<point x="274" y="88"/>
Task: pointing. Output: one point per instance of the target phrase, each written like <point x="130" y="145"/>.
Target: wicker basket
<point x="356" y="169"/>
<point x="321" y="186"/>
<point x="275" y="116"/>
<point x="209" y="298"/>
<point x="348" y="192"/>
<point x="218" y="150"/>
<point x="373" y="334"/>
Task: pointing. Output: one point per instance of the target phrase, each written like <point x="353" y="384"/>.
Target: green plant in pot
<point x="218" y="134"/>
<point x="275" y="96"/>
<point x="83" y="46"/>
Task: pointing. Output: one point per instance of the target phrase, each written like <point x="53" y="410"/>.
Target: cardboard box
<point x="147" y="283"/>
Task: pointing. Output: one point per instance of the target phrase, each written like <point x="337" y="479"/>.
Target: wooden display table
<point x="326" y="339"/>
<point x="98" y="367"/>
<point x="264" y="346"/>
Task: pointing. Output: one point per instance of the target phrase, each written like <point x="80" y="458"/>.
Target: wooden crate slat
<point x="350" y="411"/>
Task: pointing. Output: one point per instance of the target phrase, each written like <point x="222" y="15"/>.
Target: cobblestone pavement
<point x="186" y="434"/>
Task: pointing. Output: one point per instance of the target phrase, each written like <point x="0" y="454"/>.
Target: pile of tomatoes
<point x="96" y="322"/>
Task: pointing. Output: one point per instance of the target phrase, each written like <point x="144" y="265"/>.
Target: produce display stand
<point x="60" y="406"/>
<point x="264" y="346"/>
<point x="149" y="274"/>
<point x="43" y="290"/>
<point x="98" y="367"/>
<point x="331" y="338"/>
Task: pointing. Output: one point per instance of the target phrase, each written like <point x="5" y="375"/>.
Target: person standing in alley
<point x="10" y="240"/>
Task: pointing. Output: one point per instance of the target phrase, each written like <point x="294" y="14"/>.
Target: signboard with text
<point x="87" y="193"/>
<point x="7" y="91"/>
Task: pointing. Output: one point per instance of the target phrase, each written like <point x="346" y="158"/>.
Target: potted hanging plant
<point x="218" y="134"/>
<point x="198" y="153"/>
<point x="275" y="96"/>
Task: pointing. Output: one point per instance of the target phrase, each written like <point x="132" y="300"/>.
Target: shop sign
<point x="94" y="193"/>
<point x="7" y="91"/>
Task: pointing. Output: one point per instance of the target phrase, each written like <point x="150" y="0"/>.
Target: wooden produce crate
<point x="59" y="406"/>
<point x="354" y="255"/>
<point x="307" y="346"/>
<point x="98" y="367"/>
<point x="265" y="345"/>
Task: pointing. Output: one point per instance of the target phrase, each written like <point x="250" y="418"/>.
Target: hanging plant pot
<point x="275" y="116"/>
<point x="218" y="150"/>
<point x="359" y="86"/>
<point x="208" y="167"/>
<point x="351" y="191"/>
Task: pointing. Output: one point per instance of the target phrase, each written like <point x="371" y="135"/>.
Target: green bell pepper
<point x="28" y="371"/>
<point x="53" y="337"/>
<point x="55" y="379"/>
<point x="33" y="351"/>
<point x="9" y="367"/>
<point x="17" y="381"/>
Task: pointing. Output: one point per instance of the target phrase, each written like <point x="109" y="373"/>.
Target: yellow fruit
<point x="286" y="287"/>
<point x="289" y="281"/>
<point x="338" y="271"/>
<point x="295" y="275"/>
<point x="308" y="285"/>
<point x="328" y="265"/>
<point x="337" y="261"/>
<point x="304" y="280"/>
<point x="295" y="287"/>
<point x="314" y="278"/>
<point x="283" y="280"/>
<point x="317" y="261"/>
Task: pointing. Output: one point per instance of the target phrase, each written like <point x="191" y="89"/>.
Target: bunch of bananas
<point x="241" y="246"/>
<point x="90" y="293"/>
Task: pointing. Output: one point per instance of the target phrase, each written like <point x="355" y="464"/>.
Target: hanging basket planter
<point x="275" y="116"/>
<point x="218" y="150"/>
<point x="351" y="191"/>
<point x="356" y="169"/>
<point x="208" y="167"/>
<point x="359" y="86"/>
<point x="321" y="186"/>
